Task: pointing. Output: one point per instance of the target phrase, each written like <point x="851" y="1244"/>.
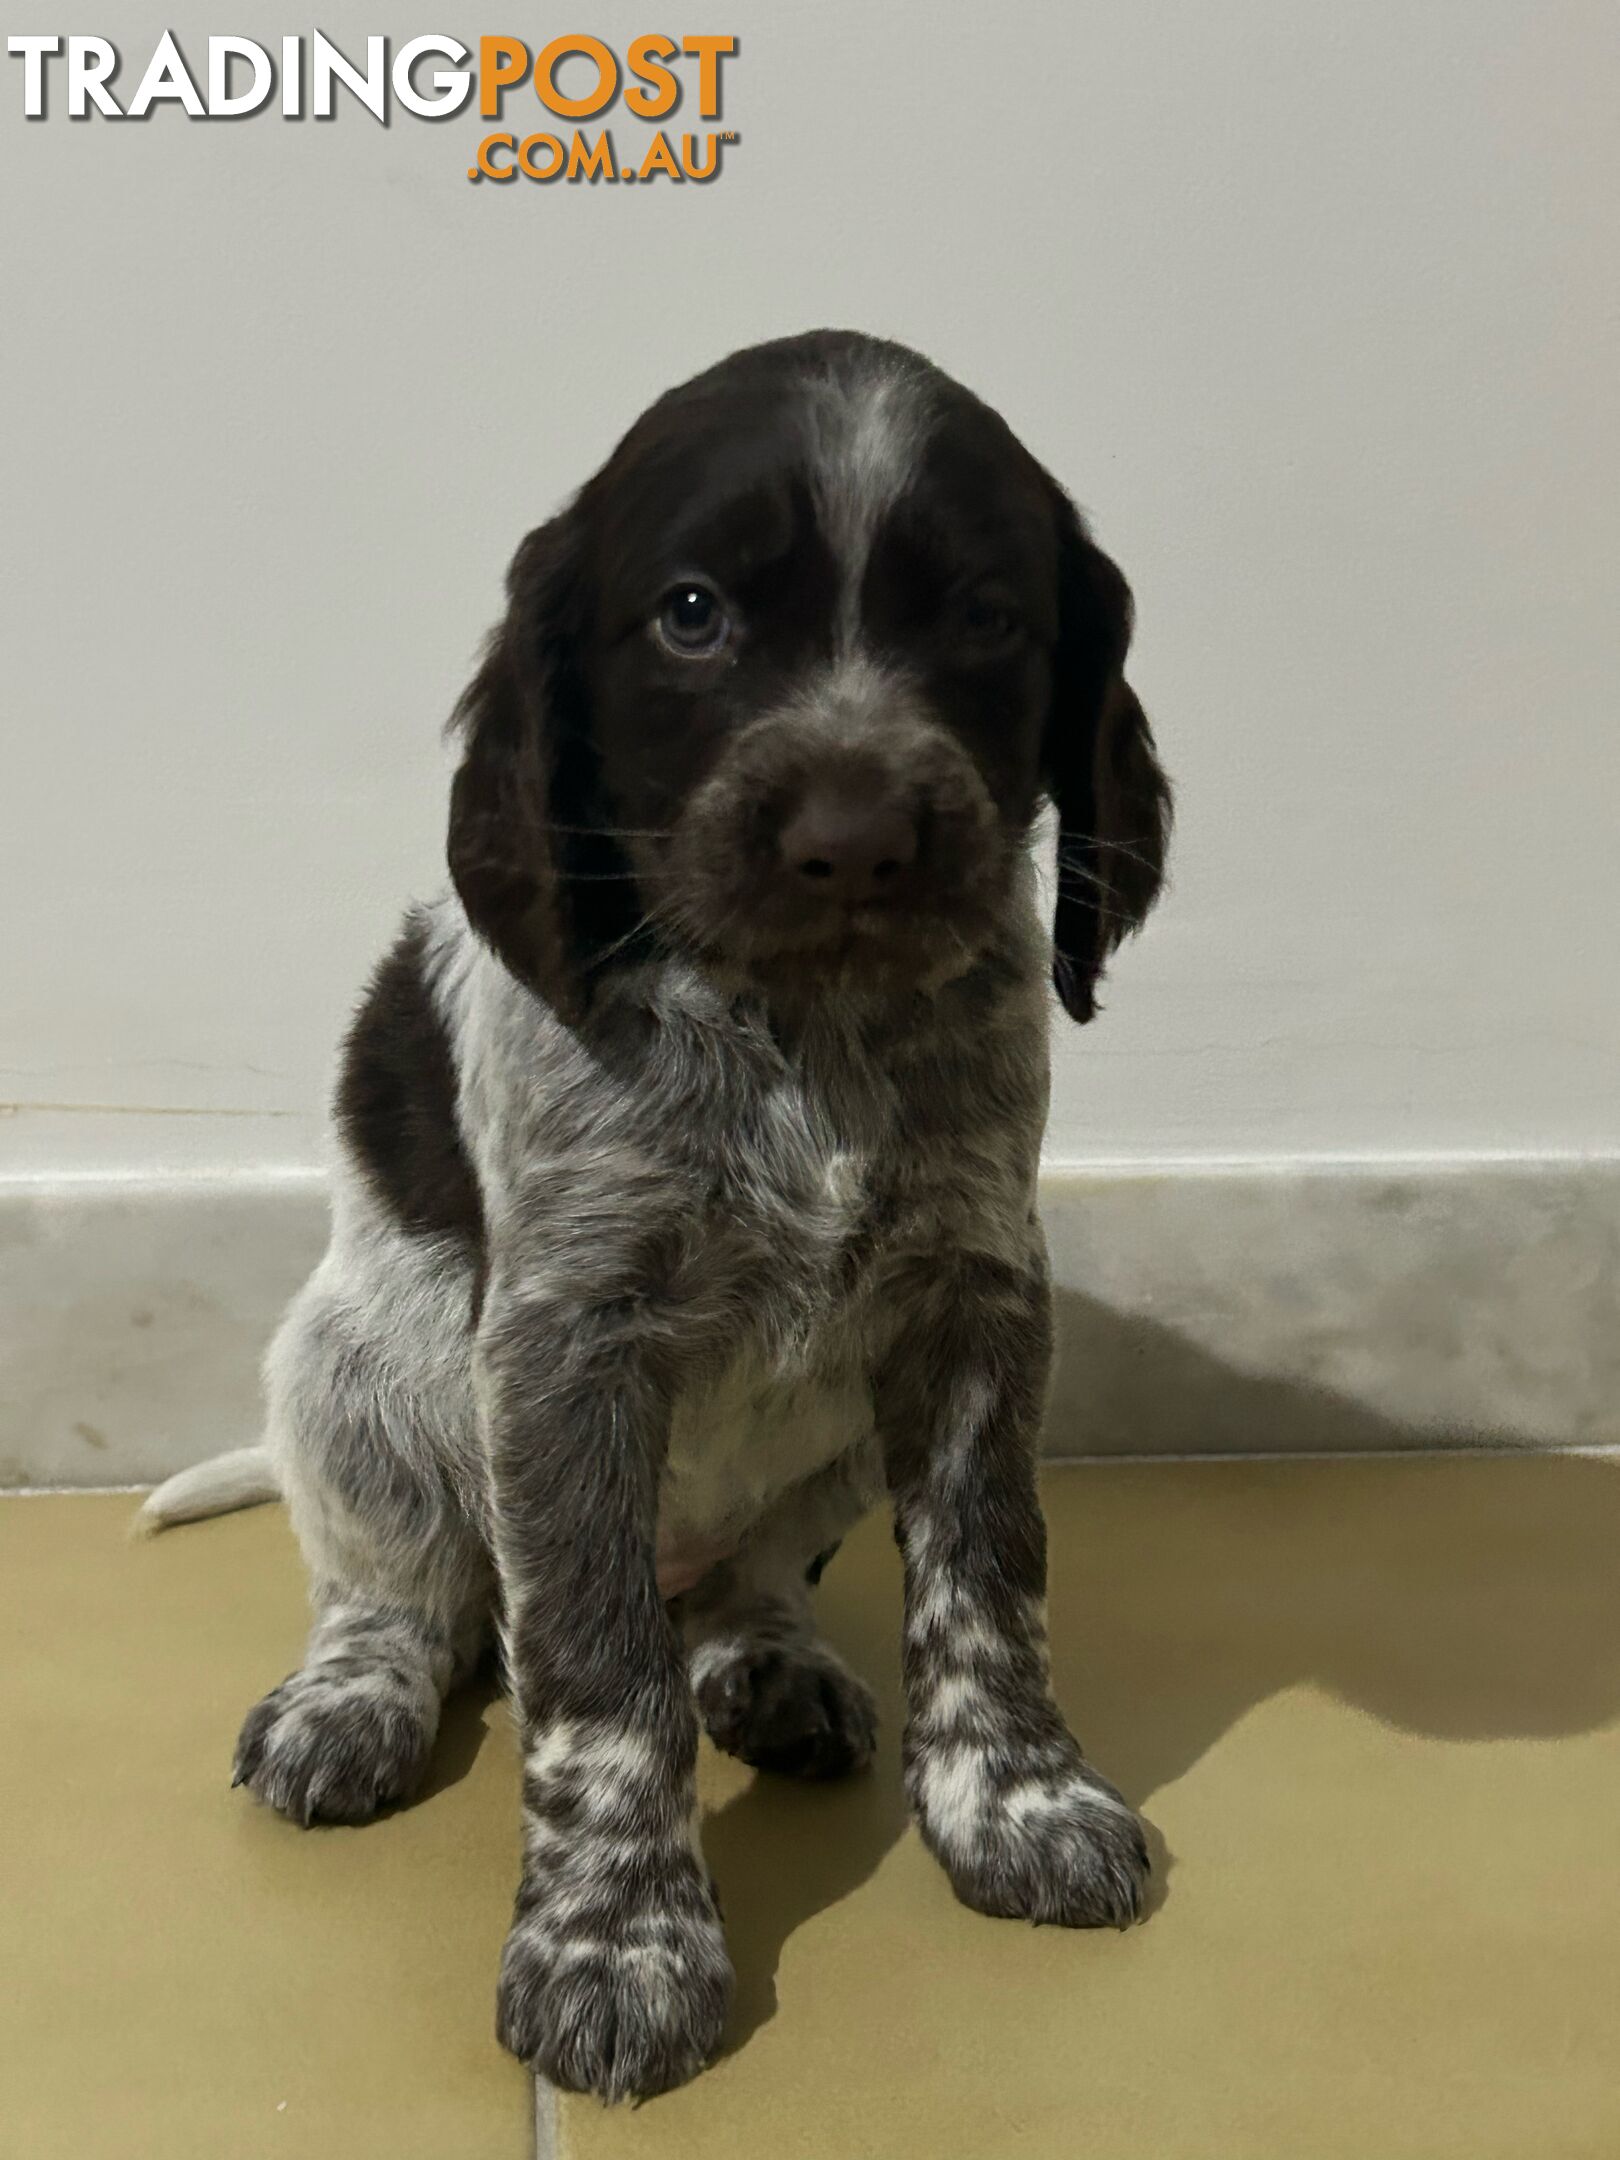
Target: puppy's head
<point x="785" y="687"/>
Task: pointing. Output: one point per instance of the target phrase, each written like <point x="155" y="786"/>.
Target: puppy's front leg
<point x="615" y="1978"/>
<point x="1021" y="1822"/>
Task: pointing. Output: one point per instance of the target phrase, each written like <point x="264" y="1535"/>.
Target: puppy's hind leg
<point x="400" y="1584"/>
<point x="770" y="1689"/>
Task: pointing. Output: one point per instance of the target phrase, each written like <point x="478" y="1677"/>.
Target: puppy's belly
<point x="737" y="1447"/>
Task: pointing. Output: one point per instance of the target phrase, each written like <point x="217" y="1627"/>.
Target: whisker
<point x="609" y="832"/>
<point x="611" y="952"/>
<point x="969" y="956"/>
<point x="1100" y="899"/>
<point x="1119" y="847"/>
<point x="1068" y="871"/>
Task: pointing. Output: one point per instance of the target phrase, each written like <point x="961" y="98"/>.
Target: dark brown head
<point x="786" y="685"/>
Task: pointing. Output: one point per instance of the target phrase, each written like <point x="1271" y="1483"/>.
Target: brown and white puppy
<point x="686" y="1194"/>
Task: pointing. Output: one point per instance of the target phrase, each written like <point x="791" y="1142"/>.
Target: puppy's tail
<point x="241" y="1479"/>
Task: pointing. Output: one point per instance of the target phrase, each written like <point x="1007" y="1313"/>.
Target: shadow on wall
<point x="1466" y="1600"/>
<point x="1124" y="1385"/>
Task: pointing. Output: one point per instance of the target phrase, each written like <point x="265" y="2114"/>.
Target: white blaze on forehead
<point x="866" y="434"/>
<point x="841" y="701"/>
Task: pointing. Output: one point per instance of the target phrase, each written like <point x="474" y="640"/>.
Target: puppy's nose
<point x="846" y="846"/>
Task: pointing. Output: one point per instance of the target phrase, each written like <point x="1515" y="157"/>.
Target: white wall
<point x="1314" y="309"/>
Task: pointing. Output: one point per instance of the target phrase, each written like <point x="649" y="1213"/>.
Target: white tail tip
<point x="241" y="1479"/>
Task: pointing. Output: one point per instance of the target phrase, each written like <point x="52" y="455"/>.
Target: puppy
<point x="686" y="1187"/>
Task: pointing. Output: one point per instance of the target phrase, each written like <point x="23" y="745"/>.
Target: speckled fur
<point x="744" y="1246"/>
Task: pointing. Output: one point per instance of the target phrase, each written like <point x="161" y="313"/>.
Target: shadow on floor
<point x="468" y="1717"/>
<point x="782" y="1852"/>
<point x="1467" y="1601"/>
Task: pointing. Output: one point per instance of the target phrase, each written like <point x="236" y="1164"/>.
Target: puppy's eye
<point x="986" y="620"/>
<point x="692" y="622"/>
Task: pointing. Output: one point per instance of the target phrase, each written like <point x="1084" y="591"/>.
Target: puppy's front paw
<point x="336" y="1747"/>
<point x="797" y="1710"/>
<point x="626" y="2006"/>
<point x="1031" y="1842"/>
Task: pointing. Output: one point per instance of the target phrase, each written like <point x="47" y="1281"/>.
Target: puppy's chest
<point x="798" y="1232"/>
<point x="740" y="1442"/>
<point x="827" y="1181"/>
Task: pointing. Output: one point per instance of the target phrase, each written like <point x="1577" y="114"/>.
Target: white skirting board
<point x="1252" y="1308"/>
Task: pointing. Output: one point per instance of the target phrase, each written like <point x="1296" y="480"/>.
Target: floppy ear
<point x="543" y="885"/>
<point x="1112" y="798"/>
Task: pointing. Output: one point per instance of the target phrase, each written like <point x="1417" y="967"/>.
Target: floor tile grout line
<point x="547" y="2128"/>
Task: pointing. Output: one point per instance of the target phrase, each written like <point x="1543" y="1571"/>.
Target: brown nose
<point x="846" y="846"/>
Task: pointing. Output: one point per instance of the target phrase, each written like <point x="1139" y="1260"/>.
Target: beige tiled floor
<point x="1371" y="1708"/>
